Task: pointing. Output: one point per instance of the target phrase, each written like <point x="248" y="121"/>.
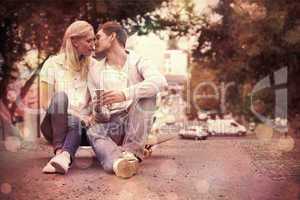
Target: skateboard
<point x="156" y="139"/>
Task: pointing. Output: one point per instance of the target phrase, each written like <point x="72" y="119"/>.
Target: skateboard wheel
<point x="147" y="152"/>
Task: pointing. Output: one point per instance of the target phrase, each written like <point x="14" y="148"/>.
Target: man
<point x="130" y="85"/>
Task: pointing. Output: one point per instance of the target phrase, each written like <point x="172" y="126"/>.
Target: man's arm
<point x="153" y="82"/>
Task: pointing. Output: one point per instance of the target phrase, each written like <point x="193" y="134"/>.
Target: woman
<point x="63" y="94"/>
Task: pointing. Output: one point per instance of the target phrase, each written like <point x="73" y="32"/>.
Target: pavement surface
<point x="233" y="168"/>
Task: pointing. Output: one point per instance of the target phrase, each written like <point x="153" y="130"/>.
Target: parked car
<point x="225" y="127"/>
<point x="193" y="132"/>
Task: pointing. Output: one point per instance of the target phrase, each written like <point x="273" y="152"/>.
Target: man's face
<point x="85" y="45"/>
<point x="103" y="41"/>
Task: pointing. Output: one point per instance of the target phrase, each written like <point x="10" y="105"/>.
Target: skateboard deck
<point x="156" y="139"/>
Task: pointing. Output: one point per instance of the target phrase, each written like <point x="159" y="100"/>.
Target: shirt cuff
<point x="128" y="93"/>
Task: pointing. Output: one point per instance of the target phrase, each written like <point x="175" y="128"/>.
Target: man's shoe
<point x="126" y="166"/>
<point x="49" y="169"/>
<point x="61" y="162"/>
<point x="129" y="156"/>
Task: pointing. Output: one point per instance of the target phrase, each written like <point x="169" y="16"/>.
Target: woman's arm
<point x="46" y="93"/>
<point x="47" y="81"/>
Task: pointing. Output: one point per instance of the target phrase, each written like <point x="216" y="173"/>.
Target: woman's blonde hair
<point x="73" y="62"/>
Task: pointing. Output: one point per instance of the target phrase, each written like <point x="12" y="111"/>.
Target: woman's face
<point x="86" y="45"/>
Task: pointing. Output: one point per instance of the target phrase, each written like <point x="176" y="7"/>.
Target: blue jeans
<point x="126" y="131"/>
<point x="61" y="129"/>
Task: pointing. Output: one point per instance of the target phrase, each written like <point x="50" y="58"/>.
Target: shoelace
<point x="129" y="156"/>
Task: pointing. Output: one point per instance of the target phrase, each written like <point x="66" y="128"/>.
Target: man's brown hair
<point x="114" y="27"/>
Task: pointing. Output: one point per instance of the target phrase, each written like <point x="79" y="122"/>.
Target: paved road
<point x="218" y="168"/>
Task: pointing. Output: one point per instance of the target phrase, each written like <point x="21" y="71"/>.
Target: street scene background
<point x="232" y="102"/>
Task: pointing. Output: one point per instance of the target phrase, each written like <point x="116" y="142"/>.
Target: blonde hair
<point x="72" y="61"/>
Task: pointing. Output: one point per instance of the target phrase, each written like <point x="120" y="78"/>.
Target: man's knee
<point x="142" y="113"/>
<point x="146" y="106"/>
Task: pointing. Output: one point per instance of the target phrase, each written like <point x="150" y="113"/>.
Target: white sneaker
<point x="61" y="162"/>
<point x="49" y="169"/>
<point x="129" y="156"/>
<point x="126" y="166"/>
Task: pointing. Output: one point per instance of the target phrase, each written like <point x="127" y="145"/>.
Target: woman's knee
<point x="74" y="121"/>
<point x="59" y="98"/>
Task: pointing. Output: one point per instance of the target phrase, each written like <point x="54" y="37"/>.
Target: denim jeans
<point x="126" y="131"/>
<point x="61" y="129"/>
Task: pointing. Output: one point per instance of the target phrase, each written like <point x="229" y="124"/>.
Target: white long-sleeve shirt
<point x="137" y="79"/>
<point x="59" y="76"/>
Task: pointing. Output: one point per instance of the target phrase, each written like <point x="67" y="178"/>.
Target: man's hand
<point x="110" y="97"/>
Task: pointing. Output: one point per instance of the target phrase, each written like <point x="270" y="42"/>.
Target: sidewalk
<point x="218" y="168"/>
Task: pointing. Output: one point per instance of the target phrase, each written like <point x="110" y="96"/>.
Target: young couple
<point x="69" y="83"/>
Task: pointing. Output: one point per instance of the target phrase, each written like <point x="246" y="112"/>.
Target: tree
<point x="242" y="41"/>
<point x="39" y="25"/>
<point x="255" y="39"/>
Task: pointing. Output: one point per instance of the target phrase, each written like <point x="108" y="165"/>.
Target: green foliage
<point x="240" y="40"/>
<point x="42" y="23"/>
<point x="254" y="39"/>
<point x="33" y="24"/>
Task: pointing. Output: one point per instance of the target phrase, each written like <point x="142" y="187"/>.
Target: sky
<point x="154" y="48"/>
<point x="201" y="5"/>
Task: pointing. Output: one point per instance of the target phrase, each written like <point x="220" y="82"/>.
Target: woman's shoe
<point x="61" y="162"/>
<point x="49" y="169"/>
